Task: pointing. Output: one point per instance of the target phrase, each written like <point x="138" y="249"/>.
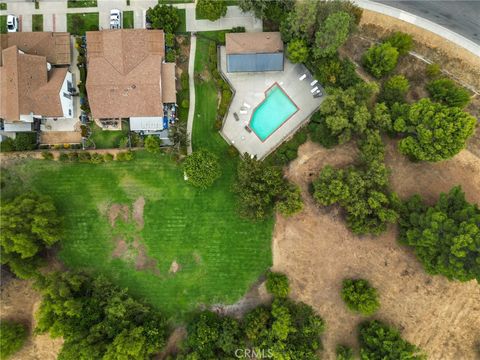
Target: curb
<point x="422" y="23"/>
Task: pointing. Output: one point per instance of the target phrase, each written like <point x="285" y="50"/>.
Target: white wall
<point x="67" y="104"/>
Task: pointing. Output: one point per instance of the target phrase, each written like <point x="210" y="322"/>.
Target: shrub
<point x="97" y="158"/>
<point x="290" y="202"/>
<point x="73" y="156"/>
<point x="211" y="9"/>
<point x="185" y="103"/>
<point x="123" y="142"/>
<point x="47" y="155"/>
<point x="360" y="296"/>
<point x="170" y="40"/>
<point x="447" y="92"/>
<point x="394" y="90"/>
<point x="232" y="151"/>
<point x="288" y="151"/>
<point x="84" y="156"/>
<point x="7" y="145"/>
<point x="63" y="157"/>
<point x="107" y="157"/>
<point x="152" y="144"/>
<point x="202" y="168"/>
<point x="344" y="353"/>
<point x="433" y="70"/>
<point x="125" y="156"/>
<point x="401" y="41"/>
<point x="380" y="341"/>
<point x="332" y="34"/>
<point x="135" y="139"/>
<point x="25" y="141"/>
<point x="171" y="55"/>
<point x="238" y="29"/>
<point x="297" y="51"/>
<point x="277" y="284"/>
<point x="380" y="60"/>
<point x="320" y="132"/>
<point x="12" y="339"/>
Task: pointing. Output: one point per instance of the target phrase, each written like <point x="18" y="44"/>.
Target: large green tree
<point x="379" y="341"/>
<point x="211" y="9"/>
<point x="332" y="34"/>
<point x="97" y="320"/>
<point x="12" y="337"/>
<point x="379" y="60"/>
<point x="434" y="132"/>
<point x="394" y="90"/>
<point x="297" y="51"/>
<point x="202" y="168"/>
<point x="360" y="296"/>
<point x="164" y="17"/>
<point x="400" y="41"/>
<point x="445" y="236"/>
<point x="30" y="224"/>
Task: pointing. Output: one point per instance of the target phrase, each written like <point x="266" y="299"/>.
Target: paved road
<point x="462" y="17"/>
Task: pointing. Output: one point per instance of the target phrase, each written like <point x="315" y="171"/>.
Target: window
<point x="67" y="95"/>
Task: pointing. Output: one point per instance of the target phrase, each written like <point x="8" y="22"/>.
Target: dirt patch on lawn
<point x="118" y="211"/>
<point x="173" y="344"/>
<point x="317" y="251"/>
<point x="174" y="267"/>
<point x="19" y="302"/>
<point x="138" y="206"/>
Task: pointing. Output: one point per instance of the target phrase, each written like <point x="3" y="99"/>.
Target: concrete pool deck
<point x="250" y="89"/>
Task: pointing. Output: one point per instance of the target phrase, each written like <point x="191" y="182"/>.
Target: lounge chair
<point x="246" y="105"/>
<point x="235" y="115"/>
<point x="248" y="129"/>
<point x="314" y="89"/>
<point x="302" y="77"/>
<point x="313" y="82"/>
<point x="243" y="112"/>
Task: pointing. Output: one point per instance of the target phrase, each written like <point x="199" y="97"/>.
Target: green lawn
<point x="82" y="3"/>
<point x="108" y="139"/>
<point x="182" y="27"/>
<point x="220" y="255"/>
<point x="78" y="24"/>
<point x="3" y="6"/>
<point x="37" y="22"/>
<point x="175" y="1"/>
<point x="128" y="19"/>
<point x="3" y="24"/>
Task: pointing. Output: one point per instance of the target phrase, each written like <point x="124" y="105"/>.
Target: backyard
<point x="142" y="225"/>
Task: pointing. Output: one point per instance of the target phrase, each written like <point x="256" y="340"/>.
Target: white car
<point x="115" y="19"/>
<point x="12" y="23"/>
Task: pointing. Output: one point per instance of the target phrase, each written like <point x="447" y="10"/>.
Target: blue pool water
<point x="272" y="112"/>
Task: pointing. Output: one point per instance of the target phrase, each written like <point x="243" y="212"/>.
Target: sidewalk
<point x="191" y="85"/>
<point x="422" y="23"/>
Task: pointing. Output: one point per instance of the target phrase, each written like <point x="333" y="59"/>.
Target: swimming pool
<point x="272" y="112"/>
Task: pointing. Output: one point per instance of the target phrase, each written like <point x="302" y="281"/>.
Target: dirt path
<point x="316" y="251"/>
<point x="19" y="302"/>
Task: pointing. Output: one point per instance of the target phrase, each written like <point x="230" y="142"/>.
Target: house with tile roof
<point x="34" y="83"/>
<point x="127" y="77"/>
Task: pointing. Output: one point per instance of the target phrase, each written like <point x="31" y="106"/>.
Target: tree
<point x="277" y="284"/>
<point x="30" y="224"/>
<point x="297" y="51"/>
<point x="164" y="17"/>
<point x="434" y="132"/>
<point x="332" y="34"/>
<point x="258" y="188"/>
<point x="400" y="41"/>
<point x="178" y="135"/>
<point x="445" y="236"/>
<point x="211" y="9"/>
<point x="202" y="168"/>
<point x="335" y="72"/>
<point x="97" y="320"/>
<point x="360" y="296"/>
<point x="12" y="339"/>
<point x="270" y="10"/>
<point x="379" y="341"/>
<point x="382" y="119"/>
<point x="344" y="353"/>
<point x="447" y="92"/>
<point x="394" y="90"/>
<point x="290" y="201"/>
<point x="345" y="112"/>
<point x="380" y="60"/>
<point x="152" y="144"/>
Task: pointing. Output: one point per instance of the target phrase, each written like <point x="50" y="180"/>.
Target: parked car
<point x="12" y="23"/>
<point x="115" y="19"/>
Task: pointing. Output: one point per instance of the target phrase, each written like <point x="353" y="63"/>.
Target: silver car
<point x="115" y="19"/>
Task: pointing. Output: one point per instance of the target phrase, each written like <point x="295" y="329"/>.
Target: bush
<point x="447" y="92"/>
<point x="169" y="40"/>
<point x="7" y="145"/>
<point x="125" y="156"/>
<point x="25" y="141"/>
<point x="277" y="284"/>
<point x="297" y="51"/>
<point x="290" y="202"/>
<point x="136" y="140"/>
<point x="12" y="339"/>
<point x="380" y="341"/>
<point x="97" y="158"/>
<point x="171" y="55"/>
<point x="152" y="144"/>
<point x="380" y="60"/>
<point x="107" y="157"/>
<point x="238" y="29"/>
<point x="73" y="156"/>
<point x="344" y="353"/>
<point x="211" y="9"/>
<point x="232" y="151"/>
<point x="360" y="296"/>
<point x="333" y="33"/>
<point x="288" y="151"/>
<point x="123" y="142"/>
<point x="202" y="168"/>
<point x="185" y="103"/>
<point x="401" y="41"/>
<point x="394" y="90"/>
<point x="47" y="155"/>
<point x="320" y="132"/>
<point x="63" y="157"/>
<point x="433" y="70"/>
<point x="84" y="156"/>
